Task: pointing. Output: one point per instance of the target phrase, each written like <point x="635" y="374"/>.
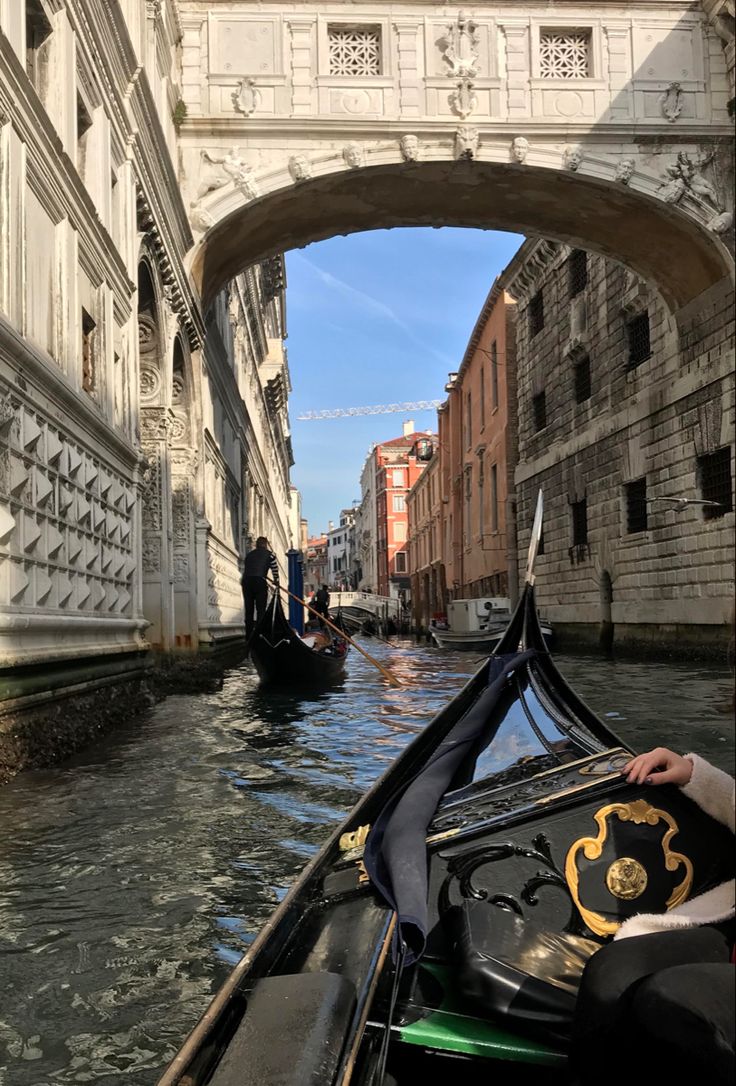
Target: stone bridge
<point x="604" y="125"/>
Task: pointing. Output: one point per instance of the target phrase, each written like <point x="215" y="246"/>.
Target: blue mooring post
<point x="296" y="587"/>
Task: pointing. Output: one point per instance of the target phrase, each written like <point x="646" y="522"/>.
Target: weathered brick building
<point x="626" y="421"/>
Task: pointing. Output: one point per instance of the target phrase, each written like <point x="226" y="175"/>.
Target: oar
<point x="384" y="670"/>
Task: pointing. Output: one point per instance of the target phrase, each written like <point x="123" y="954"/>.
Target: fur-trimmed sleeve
<point x="713" y="790"/>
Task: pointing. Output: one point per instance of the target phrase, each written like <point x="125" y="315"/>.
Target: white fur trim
<point x="713" y="790"/>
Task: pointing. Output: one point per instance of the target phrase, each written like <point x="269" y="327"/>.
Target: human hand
<point x="658" y="766"/>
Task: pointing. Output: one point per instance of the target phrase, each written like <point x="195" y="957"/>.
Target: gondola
<point x="442" y="929"/>
<point x="282" y="658"/>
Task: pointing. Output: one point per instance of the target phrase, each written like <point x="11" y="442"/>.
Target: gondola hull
<point x="282" y="659"/>
<point x="320" y="998"/>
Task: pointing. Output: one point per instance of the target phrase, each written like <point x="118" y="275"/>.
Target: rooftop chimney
<point x="408" y="427"/>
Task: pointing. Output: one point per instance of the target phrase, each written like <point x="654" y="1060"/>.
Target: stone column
<point x="410" y="91"/>
<point x="183" y="466"/>
<point x="157" y="558"/>
<point x="302" y="52"/>
<point x="518" y="68"/>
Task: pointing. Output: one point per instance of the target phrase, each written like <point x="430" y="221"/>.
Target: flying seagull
<point x="682" y="503"/>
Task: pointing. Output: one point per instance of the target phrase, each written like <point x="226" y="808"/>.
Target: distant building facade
<point x="399" y="463"/>
<point x="623" y="418"/>
<point x="426" y="520"/>
<point x="339" y="551"/>
<point x="316" y="565"/>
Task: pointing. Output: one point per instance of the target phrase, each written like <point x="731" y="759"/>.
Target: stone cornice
<point x="71" y="403"/>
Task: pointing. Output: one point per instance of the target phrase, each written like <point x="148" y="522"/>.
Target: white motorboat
<point x="477" y="625"/>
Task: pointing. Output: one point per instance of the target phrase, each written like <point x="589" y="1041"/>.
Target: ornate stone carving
<point x="154" y="424"/>
<point x="146" y="334"/>
<point x="200" y="219"/>
<point x="300" y="168"/>
<point x="463" y="100"/>
<point x="467" y="142"/>
<point x="150" y="382"/>
<point x="218" y="170"/>
<point x="181" y="568"/>
<point x="625" y="170"/>
<point x="573" y="157"/>
<point x="409" y="147"/>
<point x="685" y="177"/>
<point x="460" y="47"/>
<point x="177" y="387"/>
<point x="519" y="149"/>
<point x="246" y="99"/>
<point x="670" y="102"/>
<point x="721" y="223"/>
<point x="151" y="554"/>
<point x="178" y="428"/>
<point x="180" y="509"/>
<point x="354" y="155"/>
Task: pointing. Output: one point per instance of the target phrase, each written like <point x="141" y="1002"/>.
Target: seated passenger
<point x="660" y="999"/>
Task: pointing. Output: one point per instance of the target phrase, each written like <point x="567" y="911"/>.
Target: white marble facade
<point x="143" y="443"/>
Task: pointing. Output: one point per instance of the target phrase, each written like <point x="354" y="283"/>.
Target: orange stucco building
<point x="461" y="513"/>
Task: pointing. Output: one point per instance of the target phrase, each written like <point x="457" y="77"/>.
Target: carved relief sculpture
<point x="625" y="170"/>
<point x="353" y="155"/>
<point x="246" y="98"/>
<point x="460" y="47"/>
<point x="409" y="146"/>
<point x="685" y="177"/>
<point x="200" y="220"/>
<point x="519" y="149"/>
<point x="467" y="142"/>
<point x="300" y="168"/>
<point x="463" y="101"/>
<point x="573" y="158"/>
<point x="670" y="102"/>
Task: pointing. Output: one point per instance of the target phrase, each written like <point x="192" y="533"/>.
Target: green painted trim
<point x="452" y="1029"/>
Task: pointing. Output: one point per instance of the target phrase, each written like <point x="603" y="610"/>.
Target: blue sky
<point x="376" y="318"/>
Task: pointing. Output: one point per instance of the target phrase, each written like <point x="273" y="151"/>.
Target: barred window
<point x="636" y="506"/>
<point x="400" y="562"/>
<point x="564" y="54"/>
<point x="582" y="380"/>
<point x="637" y="330"/>
<point x="539" y="404"/>
<point x="354" y="50"/>
<point x="536" y="313"/>
<point x="577" y="271"/>
<point x="580" y="522"/>
<point x="714" y="475"/>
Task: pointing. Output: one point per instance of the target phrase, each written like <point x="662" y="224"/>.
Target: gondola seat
<point x="292" y="1032"/>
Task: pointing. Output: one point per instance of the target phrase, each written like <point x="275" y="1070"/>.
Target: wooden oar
<point x="384" y="670"/>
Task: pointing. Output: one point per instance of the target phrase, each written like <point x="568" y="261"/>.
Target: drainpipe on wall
<point x="512" y="559"/>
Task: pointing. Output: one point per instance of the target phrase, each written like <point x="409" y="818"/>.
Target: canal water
<point x="133" y="877"/>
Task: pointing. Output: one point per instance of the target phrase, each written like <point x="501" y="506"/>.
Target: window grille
<point x="639" y="342"/>
<point x="564" y="54"/>
<point x="536" y="314"/>
<point x="89" y="377"/>
<point x="636" y="506"/>
<point x="354" y="50"/>
<point x="714" y="473"/>
<point x="539" y="404"/>
<point x="582" y="380"/>
<point x="577" y="271"/>
<point x="580" y="523"/>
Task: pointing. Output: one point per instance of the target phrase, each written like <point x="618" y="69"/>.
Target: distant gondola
<point x="505" y="847"/>
<point x="282" y="658"/>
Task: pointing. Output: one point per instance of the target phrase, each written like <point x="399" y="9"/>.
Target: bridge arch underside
<point x="658" y="241"/>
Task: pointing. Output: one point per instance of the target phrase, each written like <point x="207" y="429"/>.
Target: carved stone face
<point x="353" y="155"/>
<point x="409" y="145"/>
<point x="573" y="158"/>
<point x="299" y="168"/>
<point x="520" y="149"/>
<point x="625" y="170"/>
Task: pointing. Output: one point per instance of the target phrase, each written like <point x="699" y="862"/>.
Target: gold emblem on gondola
<point x="355" y="839"/>
<point x="626" y="878"/>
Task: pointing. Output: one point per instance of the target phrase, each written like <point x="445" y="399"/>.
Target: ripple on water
<point x="133" y="877"/>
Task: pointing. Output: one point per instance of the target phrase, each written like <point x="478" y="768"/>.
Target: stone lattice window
<point x="354" y="50"/>
<point x="564" y="54"/>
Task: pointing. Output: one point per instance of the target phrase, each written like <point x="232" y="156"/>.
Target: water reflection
<point x="134" y="876"/>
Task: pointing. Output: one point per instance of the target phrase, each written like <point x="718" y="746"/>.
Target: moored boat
<point x="283" y="657"/>
<point x="477" y="625"/>
<point x="442" y="929"/>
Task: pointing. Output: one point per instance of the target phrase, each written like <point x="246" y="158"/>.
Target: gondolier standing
<point x="259" y="563"/>
<point x="321" y="604"/>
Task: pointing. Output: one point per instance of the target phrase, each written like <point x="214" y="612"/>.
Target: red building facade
<point x="399" y="463"/>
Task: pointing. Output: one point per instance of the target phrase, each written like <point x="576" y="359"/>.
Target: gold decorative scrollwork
<point x="355" y="839"/>
<point x="626" y="879"/>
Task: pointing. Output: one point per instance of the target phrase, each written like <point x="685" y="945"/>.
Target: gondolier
<point x="259" y="563"/>
<point x="321" y="604"/>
